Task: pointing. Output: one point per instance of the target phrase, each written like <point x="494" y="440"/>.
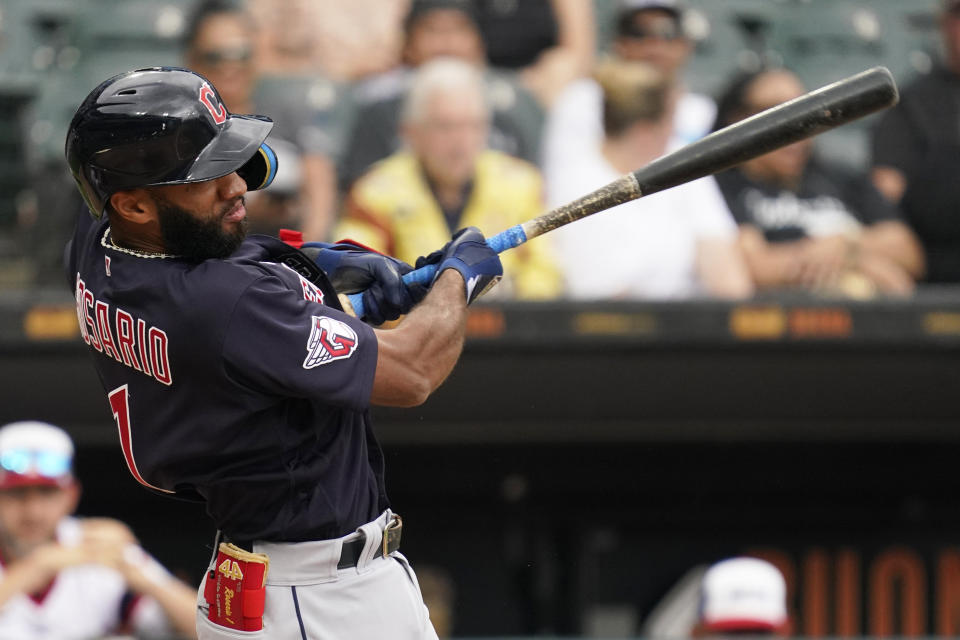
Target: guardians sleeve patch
<point x="329" y="340"/>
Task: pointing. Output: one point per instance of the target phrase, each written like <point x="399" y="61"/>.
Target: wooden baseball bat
<point x="810" y="114"/>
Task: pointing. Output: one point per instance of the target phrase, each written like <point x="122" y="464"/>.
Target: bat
<point x="810" y="114"/>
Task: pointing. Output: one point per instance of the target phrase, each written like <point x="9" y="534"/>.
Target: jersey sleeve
<point x="278" y="342"/>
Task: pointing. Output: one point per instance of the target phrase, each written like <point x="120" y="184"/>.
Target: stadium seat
<point x="12" y="171"/>
<point x="913" y="34"/>
<point x="737" y="39"/>
<point x="135" y="20"/>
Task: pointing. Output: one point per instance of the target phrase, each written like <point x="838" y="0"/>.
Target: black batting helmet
<point x="162" y="125"/>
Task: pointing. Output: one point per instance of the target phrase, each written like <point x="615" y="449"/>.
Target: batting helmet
<point x="158" y="126"/>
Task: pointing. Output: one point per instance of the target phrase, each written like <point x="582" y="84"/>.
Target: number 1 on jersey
<point x="120" y="405"/>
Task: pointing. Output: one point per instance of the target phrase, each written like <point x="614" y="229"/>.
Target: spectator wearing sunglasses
<point x="648" y="31"/>
<point x="62" y="577"/>
<point x="307" y="110"/>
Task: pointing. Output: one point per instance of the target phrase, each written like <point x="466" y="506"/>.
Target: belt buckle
<point x="391" y="535"/>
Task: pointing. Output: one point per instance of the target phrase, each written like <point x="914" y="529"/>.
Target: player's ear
<point x="134" y="205"/>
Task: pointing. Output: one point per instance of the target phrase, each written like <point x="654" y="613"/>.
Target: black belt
<point x="350" y="553"/>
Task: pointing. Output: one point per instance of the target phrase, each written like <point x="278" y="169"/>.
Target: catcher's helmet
<point x="162" y="125"/>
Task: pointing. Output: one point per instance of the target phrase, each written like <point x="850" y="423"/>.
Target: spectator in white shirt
<point x="679" y="243"/>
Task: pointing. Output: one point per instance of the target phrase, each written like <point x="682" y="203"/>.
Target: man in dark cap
<point x="649" y="31"/>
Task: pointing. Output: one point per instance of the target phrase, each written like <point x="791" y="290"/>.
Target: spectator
<point x="220" y="47"/>
<point x="678" y="243"/>
<point x="62" y="577"/>
<point x="649" y="31"/>
<point x="549" y="42"/>
<point x="409" y="204"/>
<point x="438" y="28"/>
<point x="742" y="596"/>
<point x="804" y="224"/>
<point x="916" y="155"/>
<point x="733" y="597"/>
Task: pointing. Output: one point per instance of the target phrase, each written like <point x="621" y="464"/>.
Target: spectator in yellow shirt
<point x="410" y="203"/>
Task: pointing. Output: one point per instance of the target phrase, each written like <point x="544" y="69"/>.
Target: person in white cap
<point x="61" y="577"/>
<point x="742" y="596"/>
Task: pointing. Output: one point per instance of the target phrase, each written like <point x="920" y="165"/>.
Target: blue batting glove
<point x="469" y="254"/>
<point x="352" y="268"/>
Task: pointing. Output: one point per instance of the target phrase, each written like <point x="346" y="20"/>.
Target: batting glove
<point x="352" y="268"/>
<point x="469" y="254"/>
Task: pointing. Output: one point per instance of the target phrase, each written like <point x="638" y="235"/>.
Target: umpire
<point x="234" y="375"/>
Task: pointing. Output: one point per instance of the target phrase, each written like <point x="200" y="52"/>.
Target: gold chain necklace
<point x="107" y="242"/>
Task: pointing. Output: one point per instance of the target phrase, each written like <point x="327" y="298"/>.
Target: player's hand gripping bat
<point x="790" y="122"/>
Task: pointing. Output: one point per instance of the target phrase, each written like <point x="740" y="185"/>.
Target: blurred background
<point x="764" y="365"/>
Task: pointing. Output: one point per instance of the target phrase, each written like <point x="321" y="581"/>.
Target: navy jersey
<point x="235" y="381"/>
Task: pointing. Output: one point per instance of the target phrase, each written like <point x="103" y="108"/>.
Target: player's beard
<point x="186" y="236"/>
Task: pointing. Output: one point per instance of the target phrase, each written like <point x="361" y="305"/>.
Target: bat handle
<point x="512" y="237"/>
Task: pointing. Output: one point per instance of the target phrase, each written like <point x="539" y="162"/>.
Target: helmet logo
<point x="209" y="100"/>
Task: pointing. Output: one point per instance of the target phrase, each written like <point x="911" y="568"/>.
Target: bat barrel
<point x="806" y="116"/>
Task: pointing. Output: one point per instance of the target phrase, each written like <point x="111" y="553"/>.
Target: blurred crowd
<point x="401" y="121"/>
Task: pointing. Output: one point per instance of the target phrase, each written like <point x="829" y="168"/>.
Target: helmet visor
<point x="239" y="141"/>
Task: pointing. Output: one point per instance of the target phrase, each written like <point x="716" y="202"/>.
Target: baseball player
<point x="63" y="577"/>
<point x="233" y="374"/>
